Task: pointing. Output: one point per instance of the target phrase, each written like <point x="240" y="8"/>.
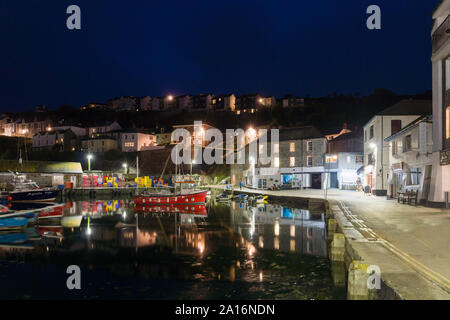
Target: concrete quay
<point x="408" y="245"/>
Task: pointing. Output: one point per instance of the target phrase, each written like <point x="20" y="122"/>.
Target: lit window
<point x="276" y="162"/>
<point x="292" y="147"/>
<point x="292" y="161"/>
<point x="331" y="159"/>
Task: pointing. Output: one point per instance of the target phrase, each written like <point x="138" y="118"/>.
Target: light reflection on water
<point x="232" y="251"/>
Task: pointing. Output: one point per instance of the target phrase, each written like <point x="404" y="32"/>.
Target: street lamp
<point x="89" y="157"/>
<point x="125" y="165"/>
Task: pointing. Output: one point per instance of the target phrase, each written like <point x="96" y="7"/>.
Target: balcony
<point x="441" y="35"/>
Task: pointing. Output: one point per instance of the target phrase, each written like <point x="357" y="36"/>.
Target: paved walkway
<point x="406" y="240"/>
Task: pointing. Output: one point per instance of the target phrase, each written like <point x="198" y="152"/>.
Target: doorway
<point x="334" y="184"/>
<point x="316" y="180"/>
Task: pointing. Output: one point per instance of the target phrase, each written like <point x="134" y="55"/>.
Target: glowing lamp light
<point x="372" y="145"/>
<point x="89" y="156"/>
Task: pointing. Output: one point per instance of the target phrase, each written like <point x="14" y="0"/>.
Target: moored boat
<point x="29" y="191"/>
<point x="198" y="197"/>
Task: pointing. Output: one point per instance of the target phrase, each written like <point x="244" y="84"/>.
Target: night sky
<point x="154" y="48"/>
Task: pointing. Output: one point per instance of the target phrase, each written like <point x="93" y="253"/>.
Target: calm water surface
<point x="223" y="251"/>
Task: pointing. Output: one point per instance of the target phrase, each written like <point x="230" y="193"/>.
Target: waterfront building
<point x="440" y="176"/>
<point x="376" y="150"/>
<point x="410" y="159"/>
<point x="297" y="161"/>
<point x="44" y="173"/>
<point x="344" y="160"/>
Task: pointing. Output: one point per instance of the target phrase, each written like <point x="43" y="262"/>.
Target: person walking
<point x="240" y="185"/>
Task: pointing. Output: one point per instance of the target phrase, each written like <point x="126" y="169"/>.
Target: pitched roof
<point x="298" y="133"/>
<point x="408" y="107"/>
<point x="41" y="166"/>
<point x="427" y="118"/>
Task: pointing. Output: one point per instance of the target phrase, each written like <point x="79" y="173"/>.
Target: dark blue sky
<point x="159" y="47"/>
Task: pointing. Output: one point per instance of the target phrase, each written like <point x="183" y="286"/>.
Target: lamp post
<point x="89" y="157"/>
<point x="125" y="165"/>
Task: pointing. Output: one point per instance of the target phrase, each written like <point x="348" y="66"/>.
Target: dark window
<point x="407" y="144"/>
<point x="396" y="126"/>
<point x="371" y="132"/>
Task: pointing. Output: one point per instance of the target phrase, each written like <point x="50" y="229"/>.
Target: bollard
<point x="359" y="279"/>
<point x="337" y="248"/>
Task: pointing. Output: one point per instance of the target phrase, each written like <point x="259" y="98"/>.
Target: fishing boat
<point x="26" y="190"/>
<point x="181" y="197"/>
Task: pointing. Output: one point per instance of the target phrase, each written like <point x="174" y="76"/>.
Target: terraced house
<point x="297" y="161"/>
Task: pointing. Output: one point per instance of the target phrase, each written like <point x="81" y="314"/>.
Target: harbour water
<point x="227" y="251"/>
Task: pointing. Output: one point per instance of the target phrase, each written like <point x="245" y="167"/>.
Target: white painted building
<point x="410" y="159"/>
<point x="134" y="141"/>
<point x="440" y="177"/>
<point x="376" y="150"/>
